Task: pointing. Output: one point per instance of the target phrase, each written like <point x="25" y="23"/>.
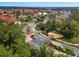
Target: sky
<point x="41" y="4"/>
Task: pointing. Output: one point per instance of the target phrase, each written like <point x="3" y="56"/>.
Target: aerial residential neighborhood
<point x="39" y="31"/>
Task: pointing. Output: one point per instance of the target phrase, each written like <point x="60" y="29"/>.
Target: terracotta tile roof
<point x="54" y="35"/>
<point x="30" y="34"/>
<point x="7" y="19"/>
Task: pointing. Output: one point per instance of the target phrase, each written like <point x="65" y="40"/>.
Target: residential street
<point x="43" y="38"/>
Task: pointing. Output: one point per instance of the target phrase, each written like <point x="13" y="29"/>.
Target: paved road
<point x="61" y="44"/>
<point x="44" y="38"/>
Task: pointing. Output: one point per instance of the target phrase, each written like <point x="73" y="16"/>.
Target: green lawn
<point x="3" y="28"/>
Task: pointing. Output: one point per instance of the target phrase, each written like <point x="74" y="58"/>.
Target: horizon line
<point x="41" y="6"/>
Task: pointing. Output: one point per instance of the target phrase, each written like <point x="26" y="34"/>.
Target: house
<point x="54" y="36"/>
<point x="7" y="19"/>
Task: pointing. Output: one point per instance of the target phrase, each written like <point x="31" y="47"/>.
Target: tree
<point x="22" y="51"/>
<point x="51" y="16"/>
<point x="70" y="28"/>
<point x="17" y="13"/>
<point x="13" y="42"/>
<point x="74" y="16"/>
<point x="22" y="48"/>
<point x="4" y="52"/>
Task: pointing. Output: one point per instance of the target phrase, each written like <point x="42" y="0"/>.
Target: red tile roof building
<point x="7" y="19"/>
